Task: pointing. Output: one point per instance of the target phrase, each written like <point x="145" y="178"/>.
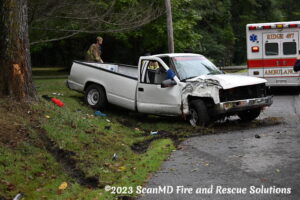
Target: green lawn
<point x="72" y="145"/>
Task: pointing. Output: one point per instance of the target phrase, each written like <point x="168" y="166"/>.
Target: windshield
<point x="193" y="66"/>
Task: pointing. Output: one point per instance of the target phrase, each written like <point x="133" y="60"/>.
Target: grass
<point x="49" y="71"/>
<point x="29" y="167"/>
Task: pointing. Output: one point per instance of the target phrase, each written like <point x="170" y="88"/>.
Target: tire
<point x="249" y="115"/>
<point x="95" y="96"/>
<point x="198" y="113"/>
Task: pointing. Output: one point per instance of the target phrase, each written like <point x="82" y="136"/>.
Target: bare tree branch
<point x="55" y="18"/>
<point x="55" y="39"/>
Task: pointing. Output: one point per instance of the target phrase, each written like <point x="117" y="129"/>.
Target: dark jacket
<point x="297" y="66"/>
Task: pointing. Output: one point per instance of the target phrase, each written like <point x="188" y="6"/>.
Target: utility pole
<point x="169" y="26"/>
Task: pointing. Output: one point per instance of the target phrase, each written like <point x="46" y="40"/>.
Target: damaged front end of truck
<point x="208" y="98"/>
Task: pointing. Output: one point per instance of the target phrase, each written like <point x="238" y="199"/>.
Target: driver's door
<point x="151" y="97"/>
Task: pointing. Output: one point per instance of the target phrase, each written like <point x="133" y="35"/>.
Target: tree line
<point x="214" y="28"/>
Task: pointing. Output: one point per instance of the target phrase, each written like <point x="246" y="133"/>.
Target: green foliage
<point x="213" y="28"/>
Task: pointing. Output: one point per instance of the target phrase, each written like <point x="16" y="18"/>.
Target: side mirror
<point x="168" y="83"/>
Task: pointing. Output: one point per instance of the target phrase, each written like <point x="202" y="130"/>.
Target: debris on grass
<point x="154" y="133"/>
<point x="58" y="94"/>
<point x="122" y="168"/>
<point x="18" y="196"/>
<point x="56" y="101"/>
<point x="63" y="186"/>
<point x="115" y="156"/>
<point x="100" y="114"/>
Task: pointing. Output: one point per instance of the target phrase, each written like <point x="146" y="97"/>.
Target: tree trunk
<point x="15" y="65"/>
<point x="170" y="26"/>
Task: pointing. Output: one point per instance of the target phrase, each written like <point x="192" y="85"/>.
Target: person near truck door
<point x="95" y="51"/>
<point x="297" y="64"/>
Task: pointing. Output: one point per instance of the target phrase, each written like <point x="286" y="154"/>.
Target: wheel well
<point x="209" y="102"/>
<point x="91" y="83"/>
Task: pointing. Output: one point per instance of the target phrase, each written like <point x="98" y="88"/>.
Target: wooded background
<point x="131" y="28"/>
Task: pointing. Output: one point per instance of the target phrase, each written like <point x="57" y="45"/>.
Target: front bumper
<point x="239" y="105"/>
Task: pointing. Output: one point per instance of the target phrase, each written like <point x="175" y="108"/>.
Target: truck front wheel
<point x="95" y="96"/>
<point x="249" y="115"/>
<point x="198" y="113"/>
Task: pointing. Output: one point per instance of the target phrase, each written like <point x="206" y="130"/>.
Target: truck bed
<point x="118" y="80"/>
<point x="121" y="69"/>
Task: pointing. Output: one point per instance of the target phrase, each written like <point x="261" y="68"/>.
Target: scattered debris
<point x="58" y="94"/>
<point x="257" y="136"/>
<point x="47" y="116"/>
<point x="89" y="116"/>
<point x="277" y="170"/>
<point x="56" y="101"/>
<point x="108" y="120"/>
<point x="100" y="114"/>
<point x="122" y="168"/>
<point x="18" y="196"/>
<point x="46" y="97"/>
<point x="194" y="170"/>
<point x="137" y="129"/>
<point x="115" y="156"/>
<point x="63" y="186"/>
<point x="154" y="133"/>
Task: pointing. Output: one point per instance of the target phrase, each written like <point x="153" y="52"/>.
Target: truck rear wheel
<point x="95" y="96"/>
<point x="249" y="115"/>
<point x="198" y="113"/>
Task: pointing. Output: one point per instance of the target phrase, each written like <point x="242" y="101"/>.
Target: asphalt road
<point x="238" y="159"/>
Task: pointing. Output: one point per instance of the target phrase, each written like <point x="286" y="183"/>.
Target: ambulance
<point x="272" y="49"/>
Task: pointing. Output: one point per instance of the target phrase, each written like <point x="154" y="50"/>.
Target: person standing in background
<point x="297" y="64"/>
<point x="95" y="51"/>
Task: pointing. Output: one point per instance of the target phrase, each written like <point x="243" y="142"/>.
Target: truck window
<point x="155" y="73"/>
<point x="271" y="49"/>
<point x="289" y="48"/>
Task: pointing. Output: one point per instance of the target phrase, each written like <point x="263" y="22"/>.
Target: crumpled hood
<point x="227" y="81"/>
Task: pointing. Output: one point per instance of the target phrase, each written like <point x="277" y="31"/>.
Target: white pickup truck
<point x="171" y="84"/>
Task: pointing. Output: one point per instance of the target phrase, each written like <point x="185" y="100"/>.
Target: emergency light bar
<point x="274" y="26"/>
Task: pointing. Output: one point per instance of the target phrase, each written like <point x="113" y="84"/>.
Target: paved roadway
<point x="239" y="159"/>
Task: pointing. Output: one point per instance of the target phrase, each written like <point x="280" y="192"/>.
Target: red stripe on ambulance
<point x="285" y="62"/>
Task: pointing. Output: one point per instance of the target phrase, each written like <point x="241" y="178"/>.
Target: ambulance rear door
<point x="279" y="53"/>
